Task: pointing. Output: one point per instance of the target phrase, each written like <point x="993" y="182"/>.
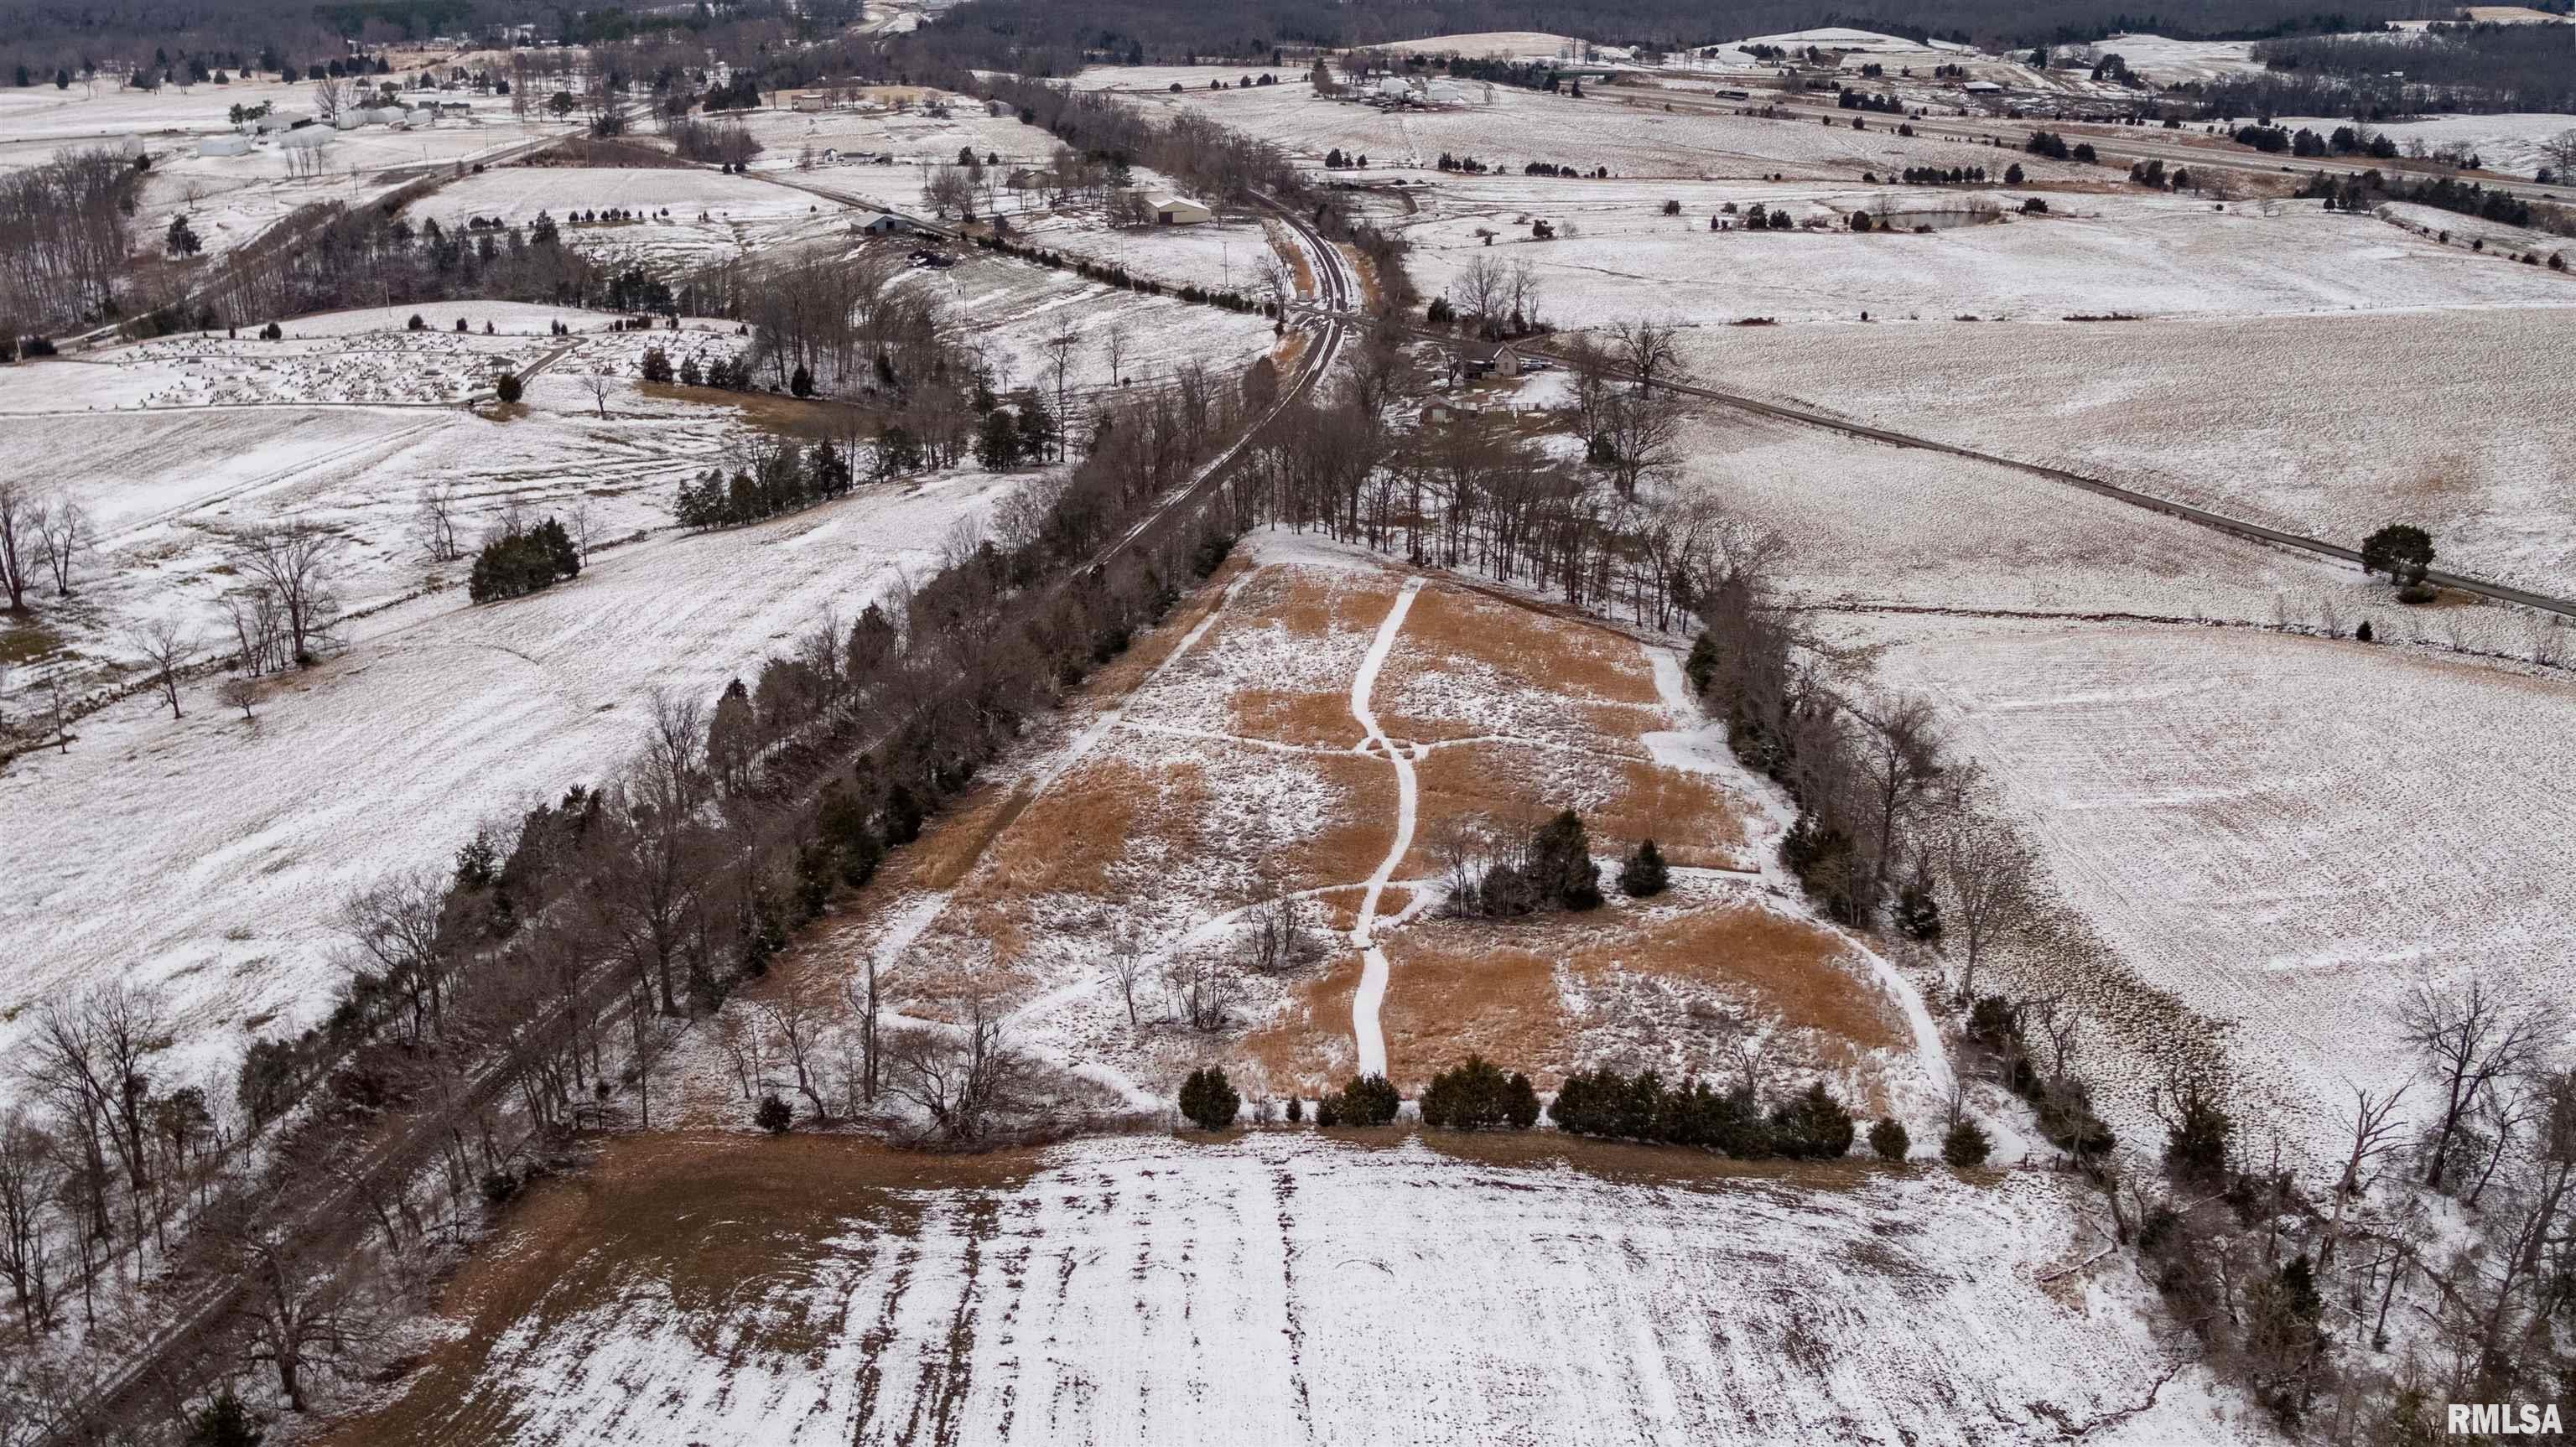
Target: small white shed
<point x="1178" y="211"/>
<point x="229" y="145"/>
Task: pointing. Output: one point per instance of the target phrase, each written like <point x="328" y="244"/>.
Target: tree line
<point x="522" y="984"/>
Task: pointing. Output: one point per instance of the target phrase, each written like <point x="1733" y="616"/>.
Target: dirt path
<point x="1373" y="974"/>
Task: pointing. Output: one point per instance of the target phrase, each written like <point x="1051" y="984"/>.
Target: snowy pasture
<point x="2141" y="256"/>
<point x="2282" y="833"/>
<point x="2326" y="425"/>
<point x="713" y="216"/>
<point x="1284" y="1287"/>
<point x="386" y="757"/>
<point x="1625" y="133"/>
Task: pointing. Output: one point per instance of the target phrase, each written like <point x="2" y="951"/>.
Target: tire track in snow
<point x="1373" y="972"/>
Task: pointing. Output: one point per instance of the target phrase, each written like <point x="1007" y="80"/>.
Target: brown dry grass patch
<point x="1689" y="817"/>
<point x="803" y="419"/>
<point x="1313" y="719"/>
<point x="1455" y="990"/>
<point x="1308" y="1048"/>
<point x="1531" y="647"/>
<point x="1797" y="972"/>
<point x="1350" y="850"/>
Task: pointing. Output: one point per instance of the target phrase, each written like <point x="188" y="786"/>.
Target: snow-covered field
<point x="2165" y="61"/>
<point x="2139" y="255"/>
<point x="712" y="217"/>
<point x="2281" y="832"/>
<point x="1627" y="134"/>
<point x="2325" y="425"/>
<point x="244" y="837"/>
<point x="1286" y="1288"/>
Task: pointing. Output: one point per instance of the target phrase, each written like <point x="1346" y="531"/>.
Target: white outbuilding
<point x="225" y="145"/>
<point x="1172" y="210"/>
<point x="309" y="138"/>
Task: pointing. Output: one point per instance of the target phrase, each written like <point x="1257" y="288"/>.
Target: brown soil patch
<point x="1073" y="839"/>
<point x="813" y="419"/>
<point x="727" y="1225"/>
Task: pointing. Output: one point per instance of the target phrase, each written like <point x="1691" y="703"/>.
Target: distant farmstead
<point x="1178" y="211"/>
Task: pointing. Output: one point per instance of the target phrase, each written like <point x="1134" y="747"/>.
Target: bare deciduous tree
<point x="794" y="1018"/>
<point x="1986" y="871"/>
<point x="166" y="645"/>
<point x="1651" y="351"/>
<point x="439" y="504"/>
<point x="2469" y="1038"/>
<point x="292" y="563"/>
<point x="966" y="1077"/>
<point x="20" y="515"/>
<point x="599" y="385"/>
<point x="63" y="535"/>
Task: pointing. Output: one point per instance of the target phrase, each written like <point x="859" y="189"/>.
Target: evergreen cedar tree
<point x="225" y="1422"/>
<point x="1644" y="875"/>
<point x="1209" y="1100"/>
<point x="522" y="561"/>
<point x="1476" y="1095"/>
<point x="1561" y="864"/>
<point x="773" y="1115"/>
<point x="508" y="387"/>
<point x="1365" y="1100"/>
<point x="1965" y="1144"/>
<point x="2401" y="550"/>
<point x="1889" y="1140"/>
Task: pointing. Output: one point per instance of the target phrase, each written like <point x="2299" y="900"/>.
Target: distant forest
<point x="1052" y="37"/>
<point x="2490" y="68"/>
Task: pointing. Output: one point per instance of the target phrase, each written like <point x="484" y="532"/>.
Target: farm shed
<point x="1178" y="211"/>
<point x="224" y="146"/>
<point x="810" y="103"/>
<point x="887" y="223"/>
<point x="306" y="139"/>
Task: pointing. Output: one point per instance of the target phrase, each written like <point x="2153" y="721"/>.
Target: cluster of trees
<point x="329" y="256"/>
<point x="1476" y="1095"/>
<point x="2362" y="191"/>
<point x="44" y="538"/>
<point x="1733" y="1122"/>
<point x="2053" y="146"/>
<point x="1337" y="160"/>
<point x="1852" y="100"/>
<point x="1363" y="1101"/>
<point x="1006" y="439"/>
<point x="518" y="560"/>
<point x="62" y="240"/>
<point x="1551" y="869"/>
<point x="1757" y="218"/>
<point x="725" y="142"/>
<point x="780" y="479"/>
<point x="2487" y="69"/>
<point x="2043" y="1076"/>
<point x="1953" y="176"/>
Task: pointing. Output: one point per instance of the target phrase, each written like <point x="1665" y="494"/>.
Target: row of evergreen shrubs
<point x="788" y="479"/>
<point x="1478" y="1095"/>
